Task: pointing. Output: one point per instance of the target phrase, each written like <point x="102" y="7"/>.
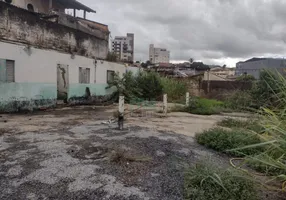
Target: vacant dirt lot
<point x="72" y="153"/>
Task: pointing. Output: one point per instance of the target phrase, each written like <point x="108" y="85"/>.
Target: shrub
<point x="226" y="141"/>
<point x="246" y="77"/>
<point x="150" y="85"/>
<point x="176" y="90"/>
<point x="202" y="106"/>
<point x="126" y="86"/>
<point x="243" y="124"/>
<point x="206" y="182"/>
<point x="240" y="100"/>
<point x="147" y="86"/>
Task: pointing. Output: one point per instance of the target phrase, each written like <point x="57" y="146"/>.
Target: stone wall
<point x="21" y="26"/>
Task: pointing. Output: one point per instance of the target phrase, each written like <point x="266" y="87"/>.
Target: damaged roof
<point x="73" y="4"/>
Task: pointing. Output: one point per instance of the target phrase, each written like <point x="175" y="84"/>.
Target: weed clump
<point x="227" y="141"/>
<point x="248" y="124"/>
<point x="204" y="182"/>
<point x="202" y="106"/>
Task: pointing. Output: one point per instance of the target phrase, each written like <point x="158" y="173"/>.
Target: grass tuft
<point x="202" y="106"/>
<point x="204" y="182"/>
<point x="242" y="124"/>
<point x="226" y="141"/>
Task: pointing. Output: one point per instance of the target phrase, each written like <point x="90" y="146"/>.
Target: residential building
<point x="255" y="65"/>
<point x="123" y="47"/>
<point x="220" y="74"/>
<point x="158" y="55"/>
<point x="48" y="56"/>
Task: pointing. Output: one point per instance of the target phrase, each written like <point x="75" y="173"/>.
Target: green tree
<point x="126" y="86"/>
<point x="150" y="85"/>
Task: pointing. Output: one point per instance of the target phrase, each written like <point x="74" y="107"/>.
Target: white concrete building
<point x="42" y="61"/>
<point x="158" y="55"/>
<point x="123" y="47"/>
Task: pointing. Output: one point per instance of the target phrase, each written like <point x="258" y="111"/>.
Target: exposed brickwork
<point x="19" y="25"/>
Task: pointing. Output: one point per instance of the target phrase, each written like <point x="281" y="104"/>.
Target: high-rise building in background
<point x="158" y="55"/>
<point x="123" y="47"/>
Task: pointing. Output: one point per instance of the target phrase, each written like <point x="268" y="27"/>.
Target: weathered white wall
<point x="103" y="66"/>
<point x="41" y="65"/>
<point x="36" y="73"/>
<point x="220" y="75"/>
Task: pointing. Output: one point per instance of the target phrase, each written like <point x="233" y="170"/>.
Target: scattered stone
<point x="32" y="196"/>
<point x="153" y="175"/>
<point x="184" y="151"/>
<point x="15" y="171"/>
<point x="10" y="162"/>
<point x="160" y="153"/>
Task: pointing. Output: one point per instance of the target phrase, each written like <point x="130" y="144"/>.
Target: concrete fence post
<point x="121" y="105"/>
<point x="187" y="99"/>
<point x="165" y="104"/>
<point x="121" y="113"/>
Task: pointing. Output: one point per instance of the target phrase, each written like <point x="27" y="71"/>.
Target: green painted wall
<point x="27" y="90"/>
<point x="15" y="96"/>
<point x="78" y="90"/>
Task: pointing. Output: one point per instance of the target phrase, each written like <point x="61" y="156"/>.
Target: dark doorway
<point x="30" y="7"/>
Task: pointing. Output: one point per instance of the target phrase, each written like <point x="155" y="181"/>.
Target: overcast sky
<point x="213" y="31"/>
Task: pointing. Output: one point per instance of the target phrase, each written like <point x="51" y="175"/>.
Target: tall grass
<point x="273" y="119"/>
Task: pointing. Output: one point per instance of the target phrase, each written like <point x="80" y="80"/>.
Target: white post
<point x="121" y="113"/>
<point x="187" y="99"/>
<point x="121" y="105"/>
<point x="165" y="104"/>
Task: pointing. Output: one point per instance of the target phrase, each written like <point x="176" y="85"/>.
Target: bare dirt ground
<point x="72" y="153"/>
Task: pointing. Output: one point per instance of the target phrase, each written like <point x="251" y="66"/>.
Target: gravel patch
<point x="79" y="163"/>
<point x="15" y="171"/>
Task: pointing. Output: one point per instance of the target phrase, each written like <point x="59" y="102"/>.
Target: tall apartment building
<point x="123" y="47"/>
<point x="158" y="55"/>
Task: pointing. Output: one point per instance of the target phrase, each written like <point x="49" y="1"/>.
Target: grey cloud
<point x="206" y="30"/>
